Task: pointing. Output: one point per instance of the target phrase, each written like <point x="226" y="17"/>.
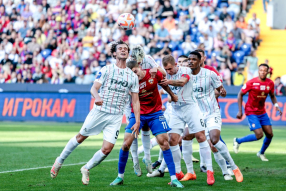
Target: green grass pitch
<point x="35" y="145"/>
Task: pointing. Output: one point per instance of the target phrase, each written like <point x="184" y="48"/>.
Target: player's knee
<point x="259" y="135"/>
<point x="270" y="136"/>
<point x="165" y="145"/>
<point x="214" y="140"/>
<point x="106" y="150"/>
<point x="125" y="147"/>
<point x="80" y="138"/>
<point x="200" y="136"/>
<point x="188" y="137"/>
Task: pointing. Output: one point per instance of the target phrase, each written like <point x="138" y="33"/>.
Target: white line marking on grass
<point x="109" y="160"/>
<point x="36" y="168"/>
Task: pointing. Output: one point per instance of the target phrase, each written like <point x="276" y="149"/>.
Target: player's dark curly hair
<point x="114" y="46"/>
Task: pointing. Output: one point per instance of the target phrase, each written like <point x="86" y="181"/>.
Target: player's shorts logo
<point x="162" y="118"/>
<point x="253" y="125"/>
<point x="151" y="81"/>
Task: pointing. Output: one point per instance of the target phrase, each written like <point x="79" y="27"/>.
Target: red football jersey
<point x="257" y="94"/>
<point x="214" y="70"/>
<point x="149" y="97"/>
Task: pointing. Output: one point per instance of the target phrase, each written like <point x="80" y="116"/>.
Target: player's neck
<point x="196" y="71"/>
<point x="262" y="80"/>
<point x="121" y="63"/>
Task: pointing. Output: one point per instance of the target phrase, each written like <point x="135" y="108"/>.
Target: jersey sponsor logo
<point x="122" y="83"/>
<point x="262" y="93"/>
<point x="151" y="81"/>
<point x="200" y="97"/>
<point x="143" y="91"/>
<point x="98" y="75"/>
<point x="198" y="89"/>
<point x="256" y="84"/>
<point x="174" y="88"/>
<point x="142" y="85"/>
<point x="244" y="86"/>
<point x="262" y="87"/>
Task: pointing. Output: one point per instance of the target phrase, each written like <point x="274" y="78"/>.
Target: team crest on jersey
<point x="268" y="88"/>
<point x="98" y="75"/>
<point x="121" y="73"/>
<point x="262" y="87"/>
<point x="151" y="81"/>
<point x="142" y="85"/>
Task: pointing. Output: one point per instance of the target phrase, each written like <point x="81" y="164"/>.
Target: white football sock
<point x="176" y="157"/>
<point x="154" y="142"/>
<point x="133" y="149"/>
<point x="202" y="161"/>
<point x="161" y="157"/>
<point x="146" y="144"/>
<point x="71" y="145"/>
<point x="97" y="158"/>
<point x="222" y="148"/>
<point x="163" y="166"/>
<point x="221" y="162"/>
<point x="187" y="150"/>
<point x="205" y="151"/>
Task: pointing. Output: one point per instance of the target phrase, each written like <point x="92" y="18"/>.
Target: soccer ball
<point x="126" y="21"/>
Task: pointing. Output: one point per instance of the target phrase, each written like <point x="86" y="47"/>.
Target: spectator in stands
<point x="184" y="4"/>
<point x="218" y="42"/>
<point x="162" y="34"/>
<point x="184" y="25"/>
<point x="234" y="5"/>
<point x="167" y="10"/>
<point x="238" y="77"/>
<point x="254" y="21"/>
<point x="279" y="89"/>
<point x="270" y="71"/>
<point x="69" y="79"/>
<point x="135" y="39"/>
<point x="224" y="14"/>
<point x="208" y="42"/>
<point x="217" y="24"/>
<point x="211" y="32"/>
<point x="88" y="77"/>
<point x="176" y="34"/>
<point x="230" y="42"/>
<point x="211" y="16"/>
<point x="204" y="25"/>
<point x="225" y="74"/>
<point x="199" y="15"/>
<point x="169" y="23"/>
<point x="252" y="66"/>
<point x="6" y="60"/>
<point x="188" y="46"/>
<point x="240" y="23"/>
<point x="37" y="75"/>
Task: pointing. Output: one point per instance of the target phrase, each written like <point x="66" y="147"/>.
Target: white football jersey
<point x="204" y="85"/>
<point x="185" y="94"/>
<point x="116" y="85"/>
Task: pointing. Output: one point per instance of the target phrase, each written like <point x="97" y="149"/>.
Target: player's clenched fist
<point x="98" y="101"/>
<point x="239" y="115"/>
<point x="222" y="92"/>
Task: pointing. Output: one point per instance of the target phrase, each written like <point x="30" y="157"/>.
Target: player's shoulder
<point x="269" y="81"/>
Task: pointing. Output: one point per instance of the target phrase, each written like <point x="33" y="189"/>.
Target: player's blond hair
<point x="137" y="53"/>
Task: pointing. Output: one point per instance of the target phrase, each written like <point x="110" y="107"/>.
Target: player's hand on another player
<point x="174" y="98"/>
<point x="222" y="92"/>
<point x="163" y="108"/>
<point x="98" y="101"/>
<point x="164" y="82"/>
<point x="135" y="129"/>
<point x="279" y="110"/>
<point x="153" y="72"/>
<point x="239" y="115"/>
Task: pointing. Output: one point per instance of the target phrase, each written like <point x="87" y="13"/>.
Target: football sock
<point x="140" y="150"/>
<point x="71" y="145"/>
<point x="160" y="158"/>
<point x="170" y="163"/>
<point x="146" y="144"/>
<point x="97" y="158"/>
<point x="181" y="148"/>
<point x="205" y="151"/>
<point x="247" y="138"/>
<point x="266" y="143"/>
<point x="123" y="157"/>
<point x="163" y="164"/>
<point x="187" y="153"/>
<point x="221" y="162"/>
<point x="222" y="149"/>
<point x="133" y="149"/>
<point x="176" y="157"/>
<point x="221" y="140"/>
<point x="202" y="161"/>
<point x="154" y="142"/>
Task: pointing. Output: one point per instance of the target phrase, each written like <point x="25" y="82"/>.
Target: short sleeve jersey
<point x="149" y="97"/>
<point x="204" y="85"/>
<point x="257" y="94"/>
<point x="185" y="94"/>
<point x="116" y="85"/>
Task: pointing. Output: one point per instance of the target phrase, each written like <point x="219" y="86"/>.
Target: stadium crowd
<point x="53" y="41"/>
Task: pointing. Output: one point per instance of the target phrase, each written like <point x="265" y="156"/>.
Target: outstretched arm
<point x="275" y="103"/>
<point x="180" y="83"/>
<point x="239" y="101"/>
